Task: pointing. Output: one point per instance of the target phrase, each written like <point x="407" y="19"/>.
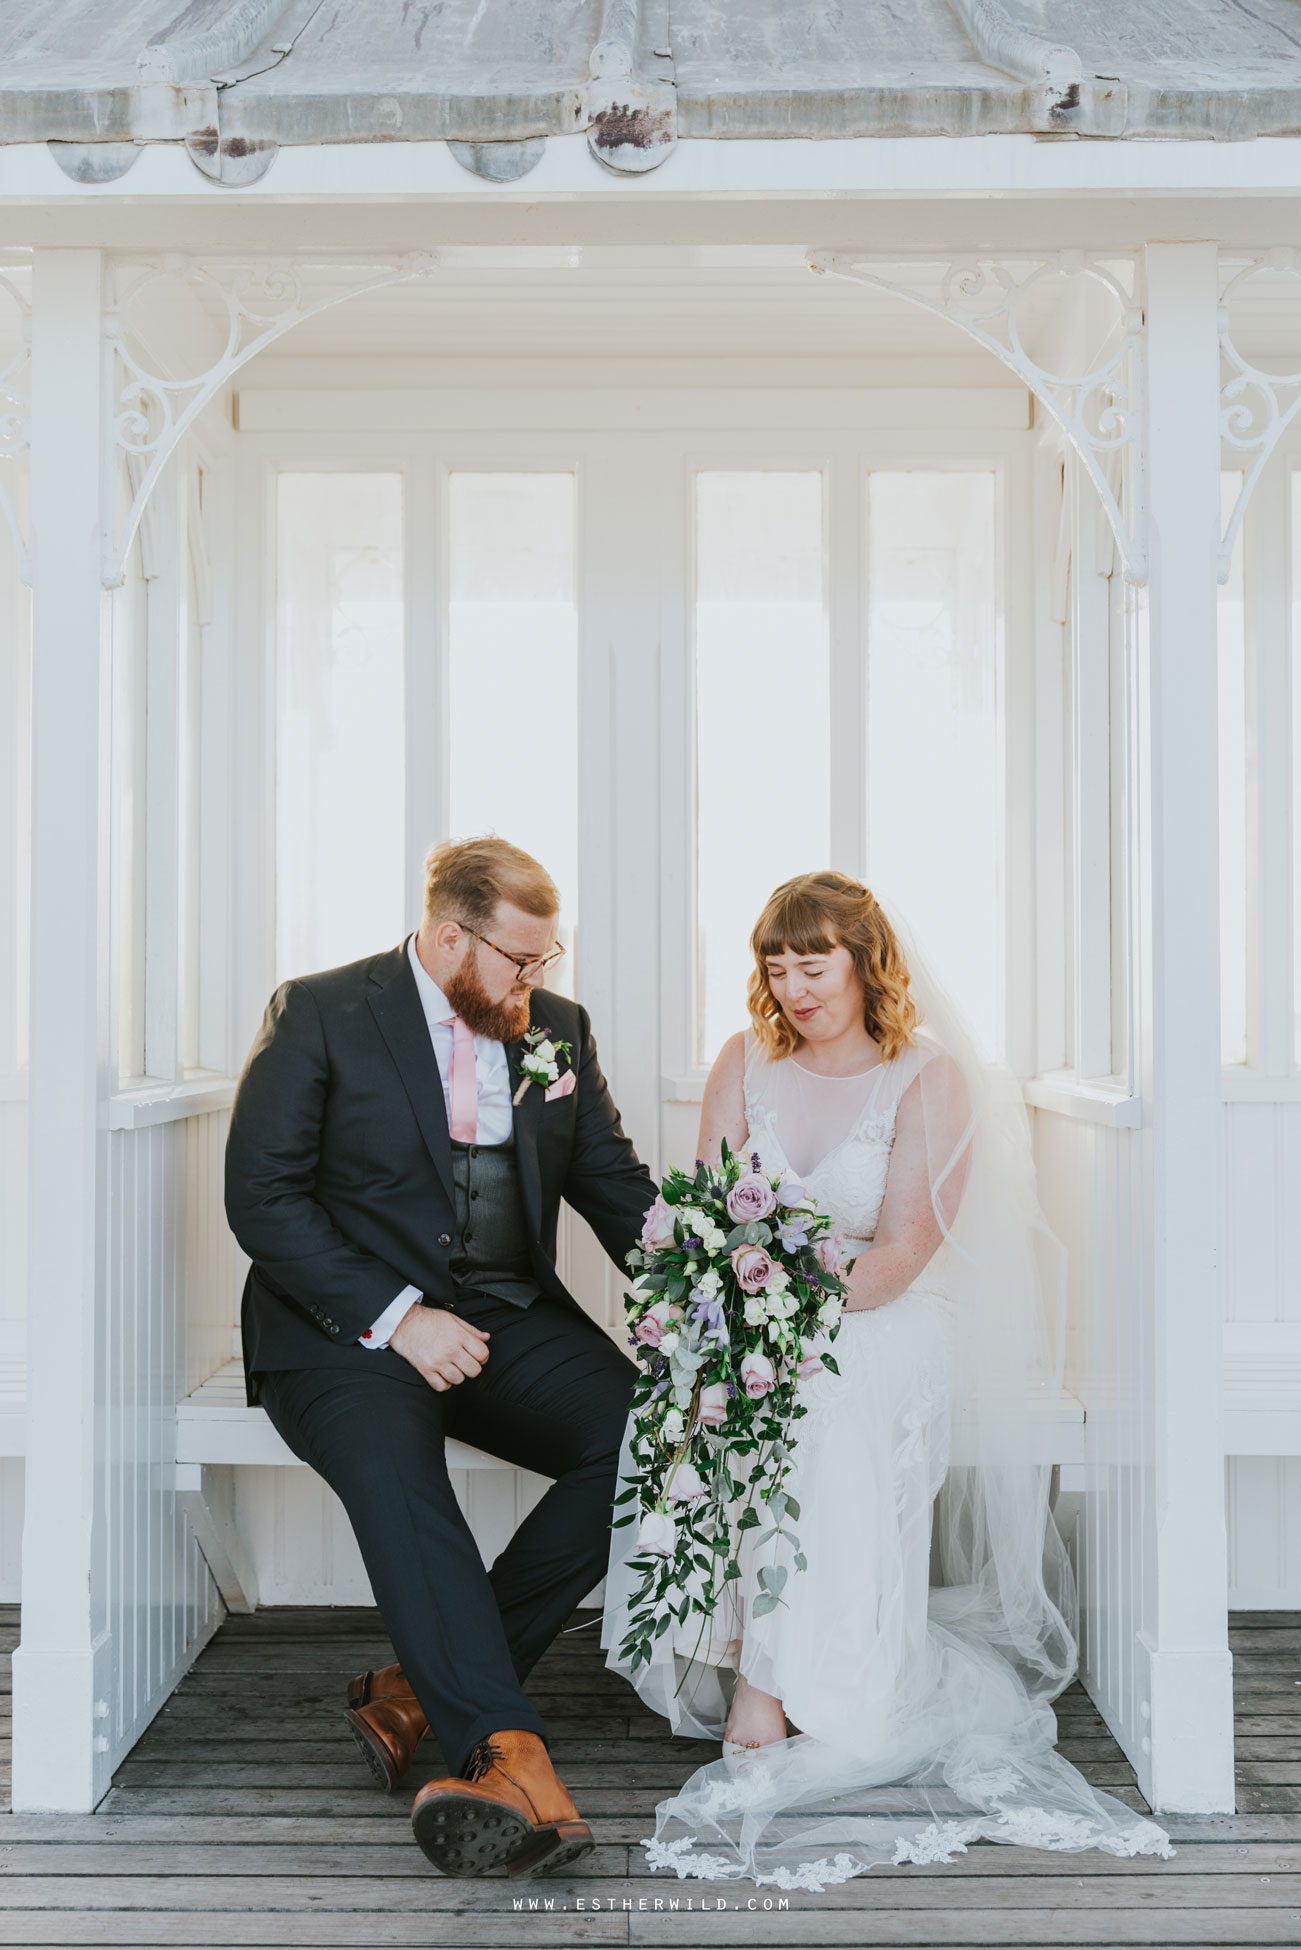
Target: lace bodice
<point x="834" y="1134"/>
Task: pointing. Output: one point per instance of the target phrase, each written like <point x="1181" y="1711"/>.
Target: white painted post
<point x="1091" y="822"/>
<point x="166" y="634"/>
<point x="62" y="1663"/>
<point x="1182" y="1630"/>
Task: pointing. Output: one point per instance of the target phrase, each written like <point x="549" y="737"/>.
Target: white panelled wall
<point x="1262" y="1095"/>
<point x="223" y="678"/>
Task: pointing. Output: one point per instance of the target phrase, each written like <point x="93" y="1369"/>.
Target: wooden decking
<point x="245" y="1817"/>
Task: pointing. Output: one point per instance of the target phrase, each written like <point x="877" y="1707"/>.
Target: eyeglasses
<point x="526" y="967"/>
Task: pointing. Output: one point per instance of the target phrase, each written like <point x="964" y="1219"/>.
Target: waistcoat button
<point x="444" y="1238"/>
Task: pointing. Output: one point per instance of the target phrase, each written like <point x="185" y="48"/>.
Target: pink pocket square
<point x="562" y="1086"/>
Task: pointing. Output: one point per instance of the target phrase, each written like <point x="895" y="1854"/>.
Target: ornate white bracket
<point x="15" y="417"/>
<point x="1256" y="408"/>
<point x="255" y="301"/>
<point x="1101" y="409"/>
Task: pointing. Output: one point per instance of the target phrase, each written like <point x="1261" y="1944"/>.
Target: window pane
<point x="1233" y="796"/>
<point x="339" y="730"/>
<point x="513" y="653"/>
<point x="762" y="720"/>
<point x="934" y="788"/>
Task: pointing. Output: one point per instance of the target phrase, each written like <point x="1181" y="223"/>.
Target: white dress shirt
<point x="492" y="1075"/>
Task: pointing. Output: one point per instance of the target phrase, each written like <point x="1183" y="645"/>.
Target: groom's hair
<point x="465" y="880"/>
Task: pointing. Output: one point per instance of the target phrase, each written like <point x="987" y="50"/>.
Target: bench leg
<point x="206" y="1493"/>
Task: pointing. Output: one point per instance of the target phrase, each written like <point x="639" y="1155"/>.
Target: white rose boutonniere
<point x="539" y="1061"/>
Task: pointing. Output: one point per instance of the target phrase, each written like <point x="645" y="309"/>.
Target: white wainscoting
<point x="11" y="1530"/>
<point x="13" y="1325"/>
<point x="1264" y="1509"/>
<point x="1093" y="1185"/>
<point x="1262" y="1229"/>
<point x="302" y="1547"/>
<point x="170" y="1272"/>
<point x="1262" y="1351"/>
<point x="13" y="1235"/>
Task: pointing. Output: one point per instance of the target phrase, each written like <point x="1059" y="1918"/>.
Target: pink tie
<point x="465" y="1087"/>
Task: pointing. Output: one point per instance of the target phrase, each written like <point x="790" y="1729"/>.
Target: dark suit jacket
<point x="339" y="1163"/>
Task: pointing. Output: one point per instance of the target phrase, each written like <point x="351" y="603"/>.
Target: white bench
<point x="215" y="1425"/>
<point x="216" y="1430"/>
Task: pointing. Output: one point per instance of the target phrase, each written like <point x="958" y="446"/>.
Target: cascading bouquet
<point x="737" y="1298"/>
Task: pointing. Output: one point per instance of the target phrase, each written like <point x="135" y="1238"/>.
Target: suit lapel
<point x="524" y="1118"/>
<point x="395" y="1005"/>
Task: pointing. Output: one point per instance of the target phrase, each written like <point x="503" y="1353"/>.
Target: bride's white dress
<point x="916" y="1734"/>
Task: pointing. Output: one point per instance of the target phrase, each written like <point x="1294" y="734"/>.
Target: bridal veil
<point x="965" y="1746"/>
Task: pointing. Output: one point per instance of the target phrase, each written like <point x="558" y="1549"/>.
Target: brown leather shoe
<point x="509" y="1807"/>
<point x="387" y="1722"/>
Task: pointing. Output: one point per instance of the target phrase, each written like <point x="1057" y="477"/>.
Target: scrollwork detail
<point x="1256" y="407"/>
<point x="1099" y="408"/>
<point x="255" y="301"/>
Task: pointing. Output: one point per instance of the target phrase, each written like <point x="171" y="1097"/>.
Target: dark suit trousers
<point x="552" y="1397"/>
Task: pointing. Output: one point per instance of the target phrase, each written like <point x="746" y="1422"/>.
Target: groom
<point x="396" y="1178"/>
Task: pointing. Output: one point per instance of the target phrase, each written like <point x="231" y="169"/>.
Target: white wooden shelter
<point x="616" y="424"/>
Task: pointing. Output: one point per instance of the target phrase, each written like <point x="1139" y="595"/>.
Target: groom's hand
<point x="442" y="1348"/>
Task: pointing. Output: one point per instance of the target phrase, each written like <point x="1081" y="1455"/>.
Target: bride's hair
<point x="809" y="916"/>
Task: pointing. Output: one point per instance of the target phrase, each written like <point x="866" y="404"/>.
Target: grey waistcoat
<point x="491" y="1251"/>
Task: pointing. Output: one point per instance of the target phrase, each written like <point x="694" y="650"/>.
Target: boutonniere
<point x="539" y="1060"/>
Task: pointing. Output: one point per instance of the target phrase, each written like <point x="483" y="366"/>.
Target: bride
<point x="894" y="1706"/>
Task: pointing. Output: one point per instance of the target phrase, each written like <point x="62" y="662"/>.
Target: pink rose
<point x="752" y="1267"/>
<point x="757" y="1376"/>
<point x="686" y="1484"/>
<point x="751" y="1197"/>
<point x="711" y="1409"/>
<point x="831" y="1251"/>
<point x="658" y="1228"/>
<point x="653" y="1325"/>
<point x="809" y="1366"/>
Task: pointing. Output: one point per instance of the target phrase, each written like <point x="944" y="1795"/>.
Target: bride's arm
<point x="722" y="1114"/>
<point x="907" y="1231"/>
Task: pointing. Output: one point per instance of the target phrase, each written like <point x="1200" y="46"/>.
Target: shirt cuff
<point x="377" y="1334"/>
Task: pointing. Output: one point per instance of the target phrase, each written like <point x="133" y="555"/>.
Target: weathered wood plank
<point x="340" y="1749"/>
<point x="282" y="1894"/>
<point x="183" y="1846"/>
<point x="882" y="1927"/>
<point x="183" y="1930"/>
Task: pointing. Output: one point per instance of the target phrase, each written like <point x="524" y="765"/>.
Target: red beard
<point x="501" y="1022"/>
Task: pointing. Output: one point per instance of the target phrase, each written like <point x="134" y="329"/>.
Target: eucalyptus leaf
<point x="772" y="1577"/>
<point x="763" y="1604"/>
